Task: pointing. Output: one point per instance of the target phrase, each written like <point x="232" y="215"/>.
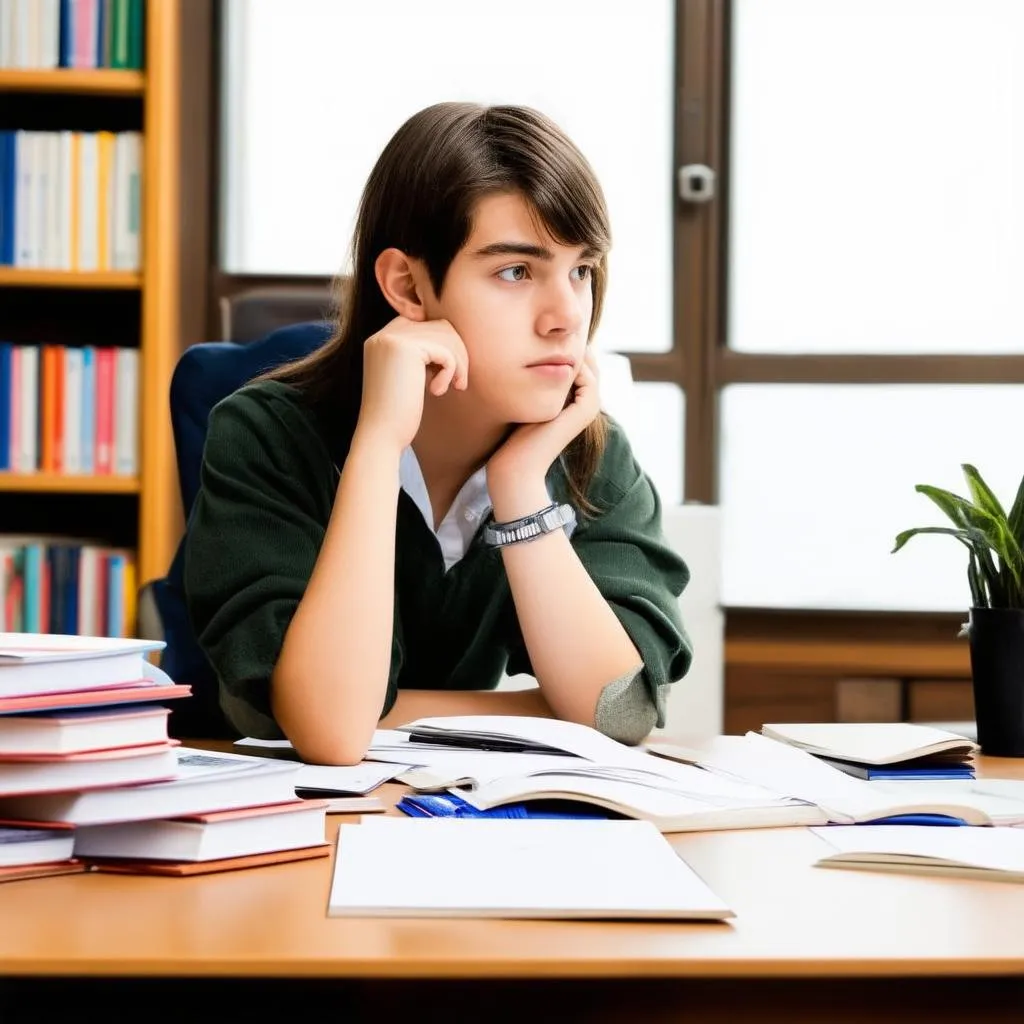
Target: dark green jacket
<point x="270" y="473"/>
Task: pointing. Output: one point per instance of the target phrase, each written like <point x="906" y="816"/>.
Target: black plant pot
<point x="997" y="671"/>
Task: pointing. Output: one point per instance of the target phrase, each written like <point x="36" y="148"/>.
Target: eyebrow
<point x="539" y="252"/>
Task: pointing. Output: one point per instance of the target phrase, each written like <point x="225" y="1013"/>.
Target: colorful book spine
<point x="70" y="200"/>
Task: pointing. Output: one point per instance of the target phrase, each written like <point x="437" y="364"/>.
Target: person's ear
<point x="403" y="282"/>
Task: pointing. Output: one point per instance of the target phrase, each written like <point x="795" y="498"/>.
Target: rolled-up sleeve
<point x="641" y="577"/>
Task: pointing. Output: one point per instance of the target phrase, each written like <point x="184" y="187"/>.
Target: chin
<point x="540" y="410"/>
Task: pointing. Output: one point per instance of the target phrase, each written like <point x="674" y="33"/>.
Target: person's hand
<point x="516" y="471"/>
<point x="399" y="362"/>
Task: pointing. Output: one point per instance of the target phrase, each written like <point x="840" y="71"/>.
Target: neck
<point x="451" y="445"/>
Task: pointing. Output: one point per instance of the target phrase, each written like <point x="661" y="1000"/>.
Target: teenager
<point x="434" y="496"/>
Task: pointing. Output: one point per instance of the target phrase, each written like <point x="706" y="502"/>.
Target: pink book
<point x="85" y="19"/>
<point x="105" y="359"/>
<point x="121" y="694"/>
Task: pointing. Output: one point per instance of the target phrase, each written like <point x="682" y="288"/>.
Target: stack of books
<point x="89" y="777"/>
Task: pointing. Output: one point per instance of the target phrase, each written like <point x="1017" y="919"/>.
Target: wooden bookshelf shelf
<point x="100" y="82"/>
<point x="25" y="277"/>
<point x="66" y="483"/>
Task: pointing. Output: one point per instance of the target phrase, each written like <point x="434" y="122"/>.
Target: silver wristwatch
<point x="550" y="518"/>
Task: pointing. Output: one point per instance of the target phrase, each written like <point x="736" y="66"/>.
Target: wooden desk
<point x="806" y="943"/>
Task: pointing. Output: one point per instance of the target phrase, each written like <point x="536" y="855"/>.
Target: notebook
<point x="876" y="743"/>
<point x="995" y="854"/>
<point x="526" y="868"/>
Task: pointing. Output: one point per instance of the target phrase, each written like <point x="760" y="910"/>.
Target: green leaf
<point x="1016" y="517"/>
<point x="982" y="493"/>
<point x="902" y="538"/>
<point x="953" y="505"/>
<point x="978" y="596"/>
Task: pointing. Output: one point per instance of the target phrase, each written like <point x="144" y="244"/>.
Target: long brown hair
<point x="420" y="198"/>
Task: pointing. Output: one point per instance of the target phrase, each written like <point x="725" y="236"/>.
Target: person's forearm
<point x="331" y="677"/>
<point x="576" y="644"/>
<point x="414" y="704"/>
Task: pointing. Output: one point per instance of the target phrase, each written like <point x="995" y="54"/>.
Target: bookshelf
<point x="159" y="309"/>
<point x="99" y="82"/>
<point x="17" y="277"/>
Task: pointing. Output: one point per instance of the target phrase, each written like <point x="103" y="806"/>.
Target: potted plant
<point x="995" y="630"/>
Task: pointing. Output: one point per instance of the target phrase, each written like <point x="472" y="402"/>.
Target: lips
<point x="555" y="361"/>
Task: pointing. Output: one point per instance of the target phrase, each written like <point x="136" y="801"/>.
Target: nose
<point x="561" y="313"/>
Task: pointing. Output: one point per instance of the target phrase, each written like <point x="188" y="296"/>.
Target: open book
<point x="875" y="743"/>
<point x="845" y="800"/>
<point x="996" y="854"/>
<point x="474" y="757"/>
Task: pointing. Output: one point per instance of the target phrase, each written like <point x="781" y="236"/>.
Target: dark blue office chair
<point x="204" y="375"/>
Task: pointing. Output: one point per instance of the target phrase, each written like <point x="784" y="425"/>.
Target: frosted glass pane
<point x="876" y="195"/>
<point x="654" y="420"/>
<point x="314" y="89"/>
<point x="817" y="480"/>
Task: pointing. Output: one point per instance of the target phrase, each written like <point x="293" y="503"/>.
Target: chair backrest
<point x="205" y="374"/>
<point x="254" y="313"/>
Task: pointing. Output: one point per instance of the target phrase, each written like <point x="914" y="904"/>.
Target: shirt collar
<point x="471" y="504"/>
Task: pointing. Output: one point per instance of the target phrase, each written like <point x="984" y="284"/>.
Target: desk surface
<point x="792" y="921"/>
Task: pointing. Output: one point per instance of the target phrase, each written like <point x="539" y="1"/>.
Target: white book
<point x="26" y="774"/>
<point x="125" y="200"/>
<point x="43" y="164"/>
<point x="203" y="781"/>
<point x="24" y="204"/>
<point x="6" y="31"/>
<point x="995" y="854"/>
<point x="66" y="184"/>
<point x="34" y="846"/>
<point x="507" y="868"/>
<point x="126" y="411"/>
<point x="23" y="33"/>
<point x="89" y="202"/>
<point x="77" y="730"/>
<point x="240" y="832"/>
<point x="72" y="410"/>
<point x="876" y="743"/>
<point x="55" y="227"/>
<point x="28" y="427"/>
<point x="89" y="618"/>
<point x="32" y="663"/>
<point x="49" y="37"/>
<point x="134" y="243"/>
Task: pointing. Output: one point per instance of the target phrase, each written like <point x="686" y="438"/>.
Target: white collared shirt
<point x="463" y="519"/>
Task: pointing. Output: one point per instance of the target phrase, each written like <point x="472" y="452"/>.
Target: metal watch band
<point x="550" y="518"/>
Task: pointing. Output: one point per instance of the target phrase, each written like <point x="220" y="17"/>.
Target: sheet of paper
<point x="577" y="739"/>
<point x="358" y="778"/>
<point x="249" y="741"/>
<point x="530" y="868"/>
<point x="994" y="849"/>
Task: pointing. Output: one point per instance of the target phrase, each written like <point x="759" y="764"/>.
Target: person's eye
<point x="583" y="271"/>
<point x="513" y="274"/>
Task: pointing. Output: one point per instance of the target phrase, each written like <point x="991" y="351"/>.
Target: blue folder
<point x="447" y="805"/>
